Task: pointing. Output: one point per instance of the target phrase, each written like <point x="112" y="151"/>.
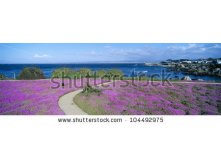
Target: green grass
<point x="173" y="94"/>
<point x="184" y="102"/>
<point x="86" y="106"/>
<point x="209" y="87"/>
<point x="88" y="90"/>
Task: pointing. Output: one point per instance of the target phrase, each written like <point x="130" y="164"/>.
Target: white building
<point x="218" y="61"/>
<point x="188" y="61"/>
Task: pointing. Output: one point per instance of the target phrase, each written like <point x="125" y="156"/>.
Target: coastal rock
<point x="186" y="78"/>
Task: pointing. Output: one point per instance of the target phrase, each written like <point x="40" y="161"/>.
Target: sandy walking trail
<point x="67" y="105"/>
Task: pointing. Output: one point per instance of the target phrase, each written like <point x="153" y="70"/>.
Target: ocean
<point x="128" y="69"/>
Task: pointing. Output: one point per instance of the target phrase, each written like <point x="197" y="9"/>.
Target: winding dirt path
<point x="67" y="104"/>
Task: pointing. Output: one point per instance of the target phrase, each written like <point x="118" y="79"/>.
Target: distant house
<point x="218" y="61"/>
<point x="208" y="61"/>
<point x="187" y="62"/>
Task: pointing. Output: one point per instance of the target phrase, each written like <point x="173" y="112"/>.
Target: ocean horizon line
<point x="80" y="63"/>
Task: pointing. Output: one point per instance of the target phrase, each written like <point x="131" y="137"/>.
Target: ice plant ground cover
<point x="35" y="97"/>
<point x="142" y="99"/>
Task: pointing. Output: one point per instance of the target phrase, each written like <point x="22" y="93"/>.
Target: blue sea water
<point x="128" y="69"/>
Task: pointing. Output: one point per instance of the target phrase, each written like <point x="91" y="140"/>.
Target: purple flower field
<point x="178" y="99"/>
<point x="33" y="97"/>
<point x="37" y="97"/>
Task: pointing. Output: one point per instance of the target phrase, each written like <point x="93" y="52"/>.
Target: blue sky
<point x="104" y="52"/>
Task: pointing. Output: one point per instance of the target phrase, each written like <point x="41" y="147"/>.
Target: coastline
<point x="127" y="69"/>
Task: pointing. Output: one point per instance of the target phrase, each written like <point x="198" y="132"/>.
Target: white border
<point x="41" y="141"/>
<point x="187" y="21"/>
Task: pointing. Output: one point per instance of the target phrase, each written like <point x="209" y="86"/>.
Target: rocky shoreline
<point x="209" y="67"/>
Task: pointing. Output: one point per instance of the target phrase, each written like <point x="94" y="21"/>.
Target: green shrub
<point x="184" y="102"/>
<point x="114" y="73"/>
<point x="63" y="72"/>
<point x="2" y="77"/>
<point x="69" y="73"/>
<point x="88" y="89"/>
<point x="101" y="73"/>
<point x="30" y="73"/>
<point x="85" y="72"/>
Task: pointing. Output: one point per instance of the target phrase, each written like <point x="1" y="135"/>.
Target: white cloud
<point x="217" y="46"/>
<point x="184" y="48"/>
<point x="153" y="52"/>
<point x="107" y="46"/>
<point x="41" y="56"/>
<point x="92" y="52"/>
<point x="191" y="45"/>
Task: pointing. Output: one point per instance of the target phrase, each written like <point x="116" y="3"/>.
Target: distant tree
<point x="210" y="59"/>
<point x="31" y="73"/>
<point x="114" y="73"/>
<point x="63" y="72"/>
<point x="85" y="72"/>
<point x="2" y="77"/>
<point x="70" y="73"/>
<point x="101" y="73"/>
